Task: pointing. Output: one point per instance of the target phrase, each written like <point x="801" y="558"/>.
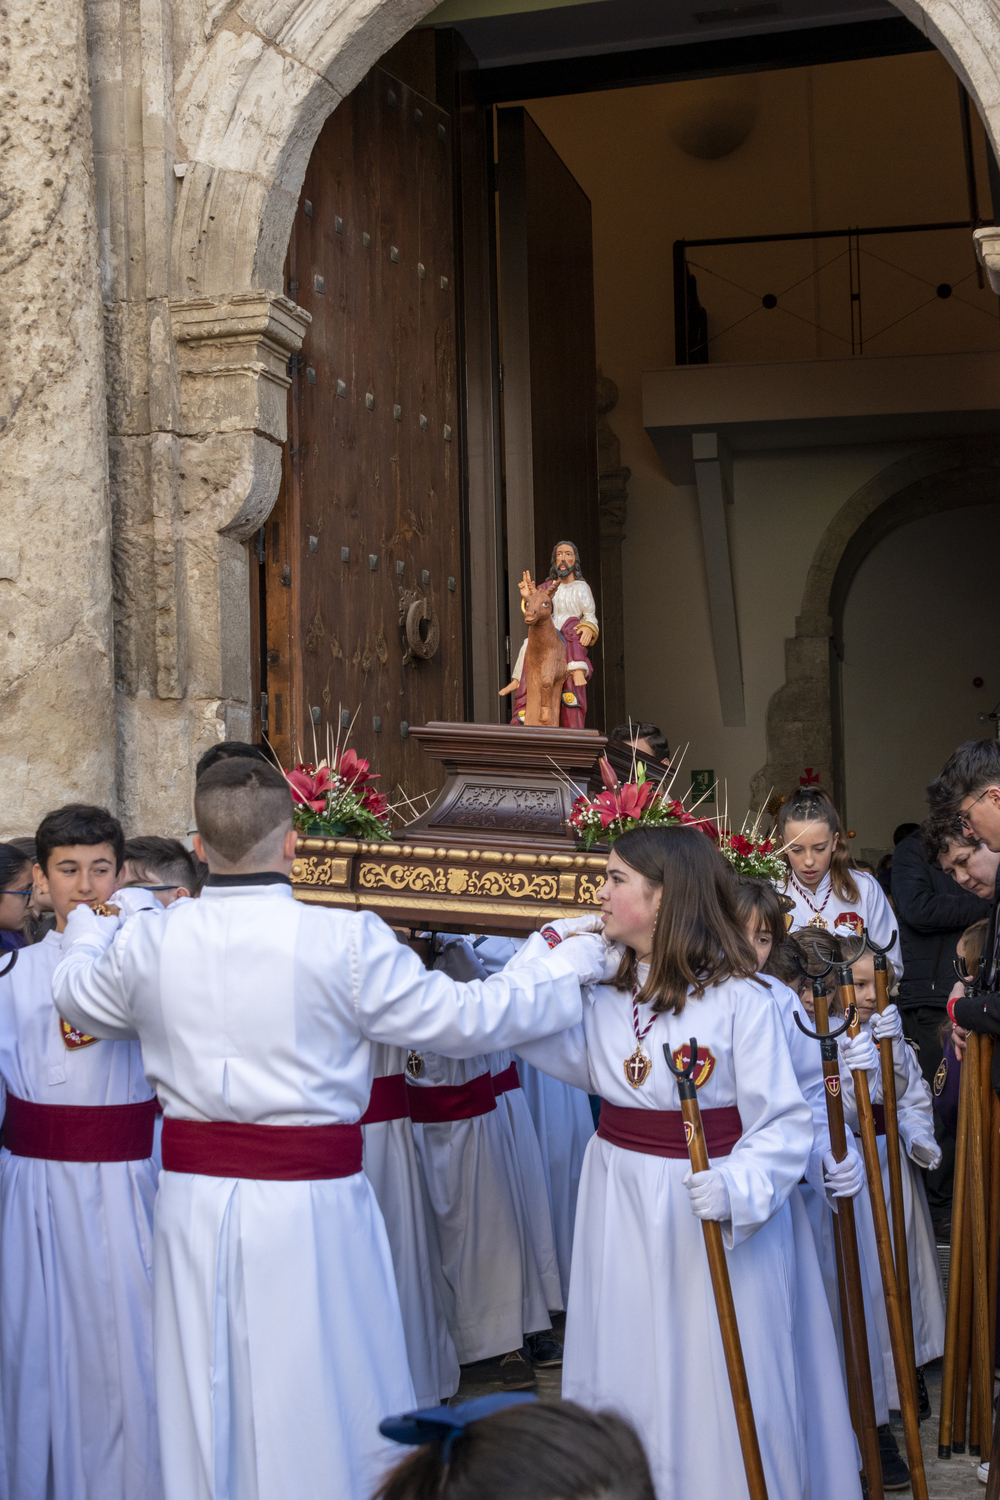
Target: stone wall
<point x="56" y="707"/>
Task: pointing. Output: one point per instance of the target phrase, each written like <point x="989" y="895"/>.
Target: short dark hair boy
<point x="78" y="823"/>
<point x="239" y="805"/>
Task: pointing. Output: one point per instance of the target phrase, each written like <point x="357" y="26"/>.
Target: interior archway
<point x="804" y="718"/>
<point x="916" y="634"/>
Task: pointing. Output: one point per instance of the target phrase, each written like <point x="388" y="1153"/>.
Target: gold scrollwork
<point x="313" y="871"/>
<point x="587" y="889"/>
<point x="439" y="880"/>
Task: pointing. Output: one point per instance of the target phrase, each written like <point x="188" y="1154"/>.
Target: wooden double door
<point x="363" y="552"/>
<point x="417" y="483"/>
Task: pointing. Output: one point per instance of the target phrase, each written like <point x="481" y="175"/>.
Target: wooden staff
<point x="958" y="1444"/>
<point x="845" y="1238"/>
<point x="893" y="1160"/>
<point x="883" y="1240"/>
<point x="994" y="1250"/>
<point x="954" y="1277"/>
<point x="728" y="1326"/>
<point x="982" y="1343"/>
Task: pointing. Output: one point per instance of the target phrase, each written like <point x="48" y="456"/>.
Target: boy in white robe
<point x="279" y="1341"/>
<point x="77" y="1185"/>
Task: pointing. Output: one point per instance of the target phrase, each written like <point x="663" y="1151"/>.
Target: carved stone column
<point x="613" y="495"/>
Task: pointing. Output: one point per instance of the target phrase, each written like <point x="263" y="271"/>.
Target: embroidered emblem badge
<point x="852" y="920"/>
<point x="833" y="1087"/>
<point x="706" y="1063"/>
<point x="551" y="937"/>
<point x="940" y="1077"/>
<point x="73" y="1039"/>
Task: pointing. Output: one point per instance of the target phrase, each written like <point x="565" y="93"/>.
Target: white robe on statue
<point x="841" y="917"/>
<point x="642" y="1333"/>
<point x="390" y="1164"/>
<point x="279" y="1343"/>
<point x="76" y="1306"/>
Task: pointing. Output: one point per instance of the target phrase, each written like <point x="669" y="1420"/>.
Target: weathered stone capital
<point x="987" y="243"/>
<point x="233" y="361"/>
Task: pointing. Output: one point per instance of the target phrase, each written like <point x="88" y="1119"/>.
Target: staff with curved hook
<point x="698" y="1155"/>
<point x="900" y="1256"/>
<point x="883" y="1241"/>
<point x="845" y="1240"/>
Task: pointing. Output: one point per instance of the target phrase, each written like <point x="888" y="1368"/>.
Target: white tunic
<point x="490" y="1281"/>
<point x="841" y="916"/>
<point x="278" y="1337"/>
<point x="642" y="1334"/>
<point x="563" y="1124"/>
<point x="390" y="1164"/>
<point x="515" y="1118"/>
<point x="76" y="1313"/>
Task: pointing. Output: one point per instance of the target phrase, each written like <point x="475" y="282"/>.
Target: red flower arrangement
<point x="631" y="804"/>
<point x="337" y="798"/>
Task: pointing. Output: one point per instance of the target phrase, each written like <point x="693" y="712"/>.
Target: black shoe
<point x="895" y="1474"/>
<point x="923" y="1400"/>
<point x="516" y="1372"/>
<point x="545" y="1349"/>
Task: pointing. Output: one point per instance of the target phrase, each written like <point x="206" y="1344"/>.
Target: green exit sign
<point x="703" y="786"/>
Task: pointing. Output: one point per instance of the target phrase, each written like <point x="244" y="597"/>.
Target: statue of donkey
<point x="544" y="658"/>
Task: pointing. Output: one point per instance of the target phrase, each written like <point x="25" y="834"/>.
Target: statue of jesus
<point x="574" y="616"/>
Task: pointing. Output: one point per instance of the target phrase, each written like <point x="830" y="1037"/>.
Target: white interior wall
<point x="922" y="620"/>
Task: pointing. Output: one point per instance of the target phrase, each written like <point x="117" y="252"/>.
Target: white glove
<point x="859" y="1053"/>
<point x="131" y="899"/>
<point x="843" y="1179"/>
<point x="569" y="926"/>
<point x="925" y="1151"/>
<point x="86" y="927"/>
<point x="887" y="1027"/>
<point x="459" y="962"/>
<point x="594" y="960"/>
<point x="709" y="1195"/>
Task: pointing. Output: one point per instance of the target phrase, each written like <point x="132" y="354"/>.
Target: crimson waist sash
<point x="446" y="1102"/>
<point x="79" y="1132"/>
<point x="660" y="1132"/>
<point x="265" y="1153"/>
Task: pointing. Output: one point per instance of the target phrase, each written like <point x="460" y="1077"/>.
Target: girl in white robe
<point x="642" y="1327"/>
<point x="825" y="892"/>
<point x="390" y="1164"/>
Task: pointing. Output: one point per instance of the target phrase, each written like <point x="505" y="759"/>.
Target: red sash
<point x="447" y="1102"/>
<point x="79" y="1132"/>
<point x="388" y="1100"/>
<point x="265" y="1153"/>
<point x="507" y="1080"/>
<point x="660" y="1132"/>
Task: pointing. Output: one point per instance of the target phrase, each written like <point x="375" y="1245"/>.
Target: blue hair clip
<point x="443" y="1424"/>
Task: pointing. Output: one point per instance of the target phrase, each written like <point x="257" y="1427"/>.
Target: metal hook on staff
<point x="893" y="1159"/>
<point x="698" y="1155"/>
<point x="857" y="1358"/>
<point x="883" y="1241"/>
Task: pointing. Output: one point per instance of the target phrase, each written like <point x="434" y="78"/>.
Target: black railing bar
<point x="833" y="234"/>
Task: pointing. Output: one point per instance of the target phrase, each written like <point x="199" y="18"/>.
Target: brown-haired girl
<point x="826" y="891"/>
<point x="642" y="1329"/>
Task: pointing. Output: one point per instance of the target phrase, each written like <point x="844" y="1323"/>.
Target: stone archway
<point x="204" y="120"/>
<point x="803" y="728"/>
